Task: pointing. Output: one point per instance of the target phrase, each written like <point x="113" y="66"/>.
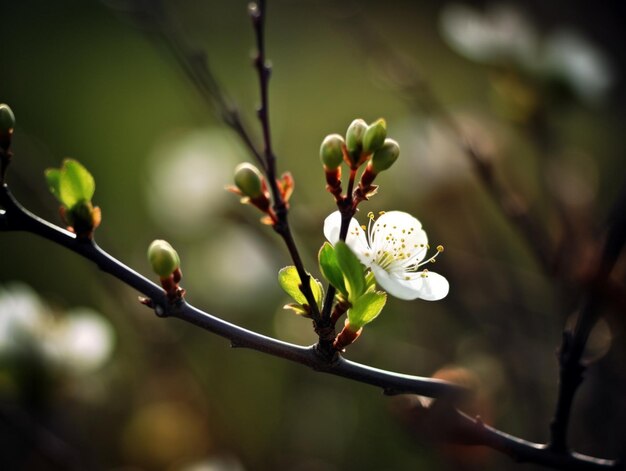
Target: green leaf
<point x="352" y="271"/>
<point x="75" y="183"/>
<point x="370" y="281"/>
<point x="299" y="309"/>
<point x="53" y="177"/>
<point x="366" y="308"/>
<point x="318" y="292"/>
<point x="330" y="268"/>
<point x="289" y="280"/>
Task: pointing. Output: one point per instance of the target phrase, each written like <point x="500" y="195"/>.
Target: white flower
<point x="394" y="249"/>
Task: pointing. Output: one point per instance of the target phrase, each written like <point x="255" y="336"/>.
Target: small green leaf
<point x="352" y="271"/>
<point x="53" y="177"/>
<point x="75" y="183"/>
<point x="299" y="309"/>
<point x="289" y="281"/>
<point x="330" y="268"/>
<point x="366" y="308"/>
<point x="370" y="281"/>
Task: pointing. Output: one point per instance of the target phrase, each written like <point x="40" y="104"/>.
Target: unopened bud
<point x="354" y="138"/>
<point x="374" y="136"/>
<point x="331" y="151"/>
<point x="249" y="180"/>
<point x="163" y="258"/>
<point x="384" y="157"/>
<point x="84" y="218"/>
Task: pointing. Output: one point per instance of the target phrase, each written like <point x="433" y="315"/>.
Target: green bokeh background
<point x="85" y="82"/>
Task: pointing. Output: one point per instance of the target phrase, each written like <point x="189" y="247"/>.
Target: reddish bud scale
<point x="170" y="285"/>
<point x="368" y="176"/>
<point x="346" y="337"/>
<point x="339" y="310"/>
<point x="261" y="202"/>
<point x="333" y="180"/>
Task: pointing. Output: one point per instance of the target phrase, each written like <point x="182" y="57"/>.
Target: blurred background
<point x="90" y="379"/>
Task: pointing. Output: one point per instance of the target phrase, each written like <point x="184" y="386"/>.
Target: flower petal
<point x="355" y="238"/>
<point x="431" y="287"/>
<point x="332" y="226"/>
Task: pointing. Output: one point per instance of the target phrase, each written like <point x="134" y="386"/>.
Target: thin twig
<point x="282" y="227"/>
<point x="421" y="97"/>
<point x="575" y="340"/>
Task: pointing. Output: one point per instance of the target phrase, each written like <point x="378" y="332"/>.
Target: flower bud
<point x="249" y="180"/>
<point x="163" y="258"/>
<point x="83" y="218"/>
<point x="7" y="119"/>
<point x="384" y="157"/>
<point x="354" y="138"/>
<point x="331" y="151"/>
<point x="374" y="136"/>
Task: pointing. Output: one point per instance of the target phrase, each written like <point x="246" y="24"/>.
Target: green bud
<point x="249" y="180"/>
<point x="163" y="258"/>
<point x="384" y="157"/>
<point x="374" y="136"/>
<point x="354" y="138"/>
<point x="7" y="119"/>
<point x="331" y="151"/>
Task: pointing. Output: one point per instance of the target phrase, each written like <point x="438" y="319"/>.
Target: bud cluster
<point x="363" y="143"/>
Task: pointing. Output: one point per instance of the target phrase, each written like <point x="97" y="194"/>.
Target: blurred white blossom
<point x="502" y="35"/>
<point x="79" y="341"/>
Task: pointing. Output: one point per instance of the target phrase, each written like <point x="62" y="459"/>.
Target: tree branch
<point x="20" y="219"/>
<point x="575" y="340"/>
<point x="282" y="227"/>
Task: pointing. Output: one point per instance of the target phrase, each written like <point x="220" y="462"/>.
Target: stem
<point x="574" y="341"/>
<point x="347" y="210"/>
<point x="282" y="227"/>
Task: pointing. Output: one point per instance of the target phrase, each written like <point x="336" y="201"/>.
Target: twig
<point x="462" y="429"/>
<point x="282" y="227"/>
<point x="575" y="340"/>
<point x="20" y="219"/>
<point x="422" y="98"/>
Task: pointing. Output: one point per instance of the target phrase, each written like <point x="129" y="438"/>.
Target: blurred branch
<point x="20" y="219"/>
<point x="575" y="340"/>
<point x="194" y="63"/>
<point x="416" y="89"/>
<point x="453" y="426"/>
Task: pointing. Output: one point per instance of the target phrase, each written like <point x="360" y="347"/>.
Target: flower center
<point x="395" y="248"/>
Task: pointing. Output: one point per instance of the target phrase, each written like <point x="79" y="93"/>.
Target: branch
<point x="20" y="219"/>
<point x="282" y="227"/>
<point x="462" y="429"/>
<point x="575" y="340"/>
<point x="195" y="65"/>
<point x="421" y="97"/>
